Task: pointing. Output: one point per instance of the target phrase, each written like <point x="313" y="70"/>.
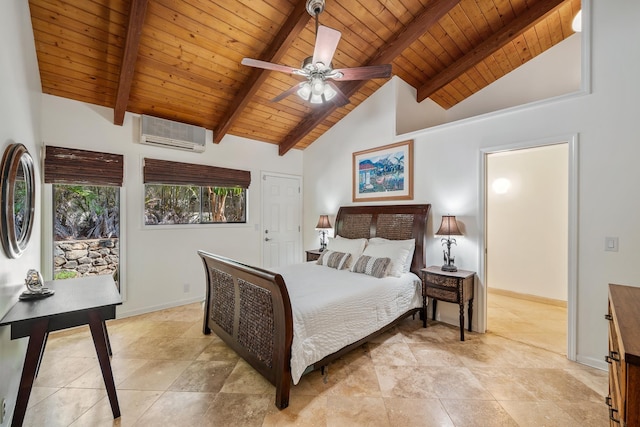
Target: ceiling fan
<point x="318" y="71"/>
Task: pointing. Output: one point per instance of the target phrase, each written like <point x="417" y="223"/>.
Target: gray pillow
<point x="334" y="259"/>
<point x="376" y="267"/>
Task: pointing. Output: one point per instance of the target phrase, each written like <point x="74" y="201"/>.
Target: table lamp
<point x="323" y="226"/>
<point x="448" y="227"/>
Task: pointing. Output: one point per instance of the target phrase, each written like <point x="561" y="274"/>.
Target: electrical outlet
<point x="186" y="288"/>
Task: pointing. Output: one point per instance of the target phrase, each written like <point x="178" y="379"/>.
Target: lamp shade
<point x="448" y="227"/>
<point x="323" y="222"/>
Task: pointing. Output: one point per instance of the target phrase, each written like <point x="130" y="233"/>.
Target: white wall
<point x="412" y="115"/>
<point x="19" y="123"/>
<point x="160" y="260"/>
<point x="527" y="228"/>
<point x="447" y="167"/>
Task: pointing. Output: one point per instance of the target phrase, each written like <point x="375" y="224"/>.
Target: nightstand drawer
<point x="448" y="282"/>
<point x="313" y="254"/>
<point x="443" y="294"/>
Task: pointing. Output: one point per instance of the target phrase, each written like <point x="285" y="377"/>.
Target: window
<point x="86" y="212"/>
<point x="185" y="193"/>
<point x="184" y="204"/>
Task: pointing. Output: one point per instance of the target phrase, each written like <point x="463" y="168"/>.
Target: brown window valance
<point x="175" y="173"/>
<point x="71" y="166"/>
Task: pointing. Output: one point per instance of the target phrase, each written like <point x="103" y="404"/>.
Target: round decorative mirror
<point x="18" y="199"/>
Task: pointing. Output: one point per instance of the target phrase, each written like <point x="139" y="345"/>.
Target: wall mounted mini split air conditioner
<point x="170" y="134"/>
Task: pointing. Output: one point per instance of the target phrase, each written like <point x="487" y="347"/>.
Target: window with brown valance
<point x="175" y="173"/>
<point x="72" y="166"/>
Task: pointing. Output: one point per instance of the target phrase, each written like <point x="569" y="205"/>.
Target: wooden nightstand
<point x="450" y="286"/>
<point x="313" y="254"/>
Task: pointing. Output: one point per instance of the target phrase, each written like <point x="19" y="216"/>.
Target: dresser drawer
<point x="623" y="356"/>
<point x="614" y="401"/>
<point x="447" y="282"/>
<point x="616" y="363"/>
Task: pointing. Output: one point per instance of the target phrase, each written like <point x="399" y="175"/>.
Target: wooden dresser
<point x="624" y="356"/>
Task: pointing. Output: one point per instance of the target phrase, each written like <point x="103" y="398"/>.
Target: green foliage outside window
<point x="181" y="204"/>
<point x="86" y="212"/>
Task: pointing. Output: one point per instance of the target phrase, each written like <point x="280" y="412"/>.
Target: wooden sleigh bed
<point x="249" y="308"/>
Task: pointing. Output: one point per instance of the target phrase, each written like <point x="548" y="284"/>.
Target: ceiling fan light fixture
<point x="304" y="91"/>
<point x="328" y="92"/>
<point x="317" y="90"/>
<point x="317" y="86"/>
<point x="316" y="99"/>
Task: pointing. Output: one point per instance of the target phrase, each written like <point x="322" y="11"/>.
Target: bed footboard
<point x="249" y="309"/>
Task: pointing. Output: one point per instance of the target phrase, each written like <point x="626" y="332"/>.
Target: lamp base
<point x="448" y="267"/>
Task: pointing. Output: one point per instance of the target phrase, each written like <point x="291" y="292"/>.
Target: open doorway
<point x="527" y="241"/>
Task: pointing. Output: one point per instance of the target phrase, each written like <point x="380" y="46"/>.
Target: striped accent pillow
<point x="376" y="267"/>
<point x="333" y="259"/>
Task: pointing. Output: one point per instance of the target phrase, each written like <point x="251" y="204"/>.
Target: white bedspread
<point x="333" y="308"/>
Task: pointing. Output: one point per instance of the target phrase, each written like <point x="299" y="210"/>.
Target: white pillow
<point x="353" y="246"/>
<point x="399" y="251"/>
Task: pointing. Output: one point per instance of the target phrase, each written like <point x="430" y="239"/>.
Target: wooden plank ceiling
<point x="180" y="60"/>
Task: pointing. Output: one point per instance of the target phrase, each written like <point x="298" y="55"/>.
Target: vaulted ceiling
<point x="180" y="59"/>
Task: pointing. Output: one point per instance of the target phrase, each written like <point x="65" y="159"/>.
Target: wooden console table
<point x="83" y="301"/>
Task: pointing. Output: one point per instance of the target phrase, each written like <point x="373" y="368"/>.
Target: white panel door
<point x="281" y="220"/>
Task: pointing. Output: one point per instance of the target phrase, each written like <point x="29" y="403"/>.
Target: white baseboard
<point x="594" y="363"/>
<point x="124" y="313"/>
<point x="527" y="297"/>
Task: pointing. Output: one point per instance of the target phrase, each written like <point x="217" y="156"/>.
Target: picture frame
<point x="383" y="173"/>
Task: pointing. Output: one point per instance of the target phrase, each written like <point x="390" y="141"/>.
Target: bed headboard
<point x="395" y="222"/>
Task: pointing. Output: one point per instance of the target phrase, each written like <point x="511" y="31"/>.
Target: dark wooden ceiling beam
<point x="515" y="28"/>
<point x="429" y="16"/>
<point x="281" y="43"/>
<point x="132" y="41"/>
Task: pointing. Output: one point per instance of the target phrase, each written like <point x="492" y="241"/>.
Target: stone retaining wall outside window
<point x="85" y="257"/>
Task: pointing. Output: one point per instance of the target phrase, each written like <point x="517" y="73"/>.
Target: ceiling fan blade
<point x="286" y="93"/>
<point x="339" y="99"/>
<point x="326" y="43"/>
<point x="268" y="65"/>
<point x="363" y="73"/>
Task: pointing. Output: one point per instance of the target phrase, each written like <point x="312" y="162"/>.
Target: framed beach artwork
<point x="384" y="173"/>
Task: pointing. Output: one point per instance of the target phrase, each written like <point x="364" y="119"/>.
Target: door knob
<point x="266" y="239"/>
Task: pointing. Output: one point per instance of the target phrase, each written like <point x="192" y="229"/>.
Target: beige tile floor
<point x="529" y="322"/>
<point x="168" y="374"/>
